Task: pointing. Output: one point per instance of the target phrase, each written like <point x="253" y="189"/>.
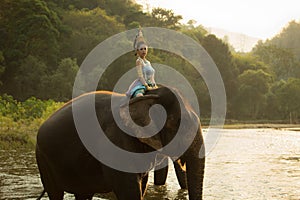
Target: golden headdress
<point x="139" y="39"/>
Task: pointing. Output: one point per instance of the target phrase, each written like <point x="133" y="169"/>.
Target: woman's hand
<point x="151" y="86"/>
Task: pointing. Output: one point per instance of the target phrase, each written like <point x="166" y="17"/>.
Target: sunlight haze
<point x="256" y="18"/>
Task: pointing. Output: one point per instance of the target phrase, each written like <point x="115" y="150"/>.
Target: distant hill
<point x="239" y="41"/>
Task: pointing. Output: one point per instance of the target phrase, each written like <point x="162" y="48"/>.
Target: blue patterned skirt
<point x="135" y="88"/>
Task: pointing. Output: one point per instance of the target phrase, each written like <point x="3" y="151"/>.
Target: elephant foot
<point x="84" y="196"/>
<point x="56" y="195"/>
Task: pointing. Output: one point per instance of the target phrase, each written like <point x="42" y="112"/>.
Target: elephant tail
<point x="40" y="197"/>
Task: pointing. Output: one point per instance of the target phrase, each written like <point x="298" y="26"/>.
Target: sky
<point x="262" y="19"/>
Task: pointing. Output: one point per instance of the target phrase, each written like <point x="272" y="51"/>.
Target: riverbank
<point x="255" y="124"/>
<point x="294" y="127"/>
<point x="18" y="135"/>
<point x="284" y="127"/>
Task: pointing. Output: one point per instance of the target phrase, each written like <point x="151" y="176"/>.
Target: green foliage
<point x="29" y="78"/>
<point x="75" y="4"/>
<point x="281" y="61"/>
<point x="166" y="18"/>
<point x="197" y="33"/>
<point x="249" y="62"/>
<point x="30" y="109"/>
<point x="288" y="38"/>
<point x="9" y="106"/>
<point x="60" y="83"/>
<point x="30" y="28"/>
<point x="223" y="58"/>
<point x="2" y="68"/>
<point x="253" y="87"/>
<point x="288" y="93"/>
<point x="281" y="56"/>
<point x="87" y="28"/>
<point x="19" y="121"/>
<point x="43" y="43"/>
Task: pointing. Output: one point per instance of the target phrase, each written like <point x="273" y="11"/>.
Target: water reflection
<point x="19" y="177"/>
<point x="245" y="164"/>
<point x="164" y="192"/>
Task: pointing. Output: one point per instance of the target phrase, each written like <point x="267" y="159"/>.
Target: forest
<point x="43" y="43"/>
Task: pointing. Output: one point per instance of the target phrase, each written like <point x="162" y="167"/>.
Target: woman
<point x="145" y="71"/>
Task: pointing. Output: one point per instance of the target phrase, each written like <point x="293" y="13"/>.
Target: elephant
<point x="161" y="173"/>
<point x="67" y="165"/>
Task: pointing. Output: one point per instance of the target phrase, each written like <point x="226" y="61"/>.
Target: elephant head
<point x="163" y="120"/>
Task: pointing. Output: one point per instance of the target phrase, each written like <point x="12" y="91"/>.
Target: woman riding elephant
<point x="66" y="164"/>
<point x="145" y="71"/>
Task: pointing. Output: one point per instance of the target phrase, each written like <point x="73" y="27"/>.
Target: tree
<point x="282" y="61"/>
<point x="249" y="62"/>
<point x="76" y="4"/>
<point x="220" y="53"/>
<point x="60" y="83"/>
<point x="252" y="90"/>
<point x="166" y="18"/>
<point x="197" y="33"/>
<point x="2" y="67"/>
<point x="288" y="38"/>
<point x="85" y="30"/>
<point x="288" y="94"/>
<point x="28" y="29"/>
<point x="31" y="28"/>
<point x="29" y="78"/>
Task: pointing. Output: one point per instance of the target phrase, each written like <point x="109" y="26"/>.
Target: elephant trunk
<point x="195" y="165"/>
<point x="195" y="176"/>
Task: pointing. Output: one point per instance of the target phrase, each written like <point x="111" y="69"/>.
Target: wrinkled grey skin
<point x="66" y="166"/>
<point x="161" y="173"/>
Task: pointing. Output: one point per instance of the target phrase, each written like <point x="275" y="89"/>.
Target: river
<point x="245" y="164"/>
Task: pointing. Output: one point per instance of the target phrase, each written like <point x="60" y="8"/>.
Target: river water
<point x="245" y="164"/>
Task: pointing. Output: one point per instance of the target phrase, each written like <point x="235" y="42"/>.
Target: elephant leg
<point x="144" y="184"/>
<point x="58" y="195"/>
<point x="160" y="175"/>
<point x="181" y="175"/>
<point x="127" y="186"/>
<point x="54" y="193"/>
<point x="84" y="196"/>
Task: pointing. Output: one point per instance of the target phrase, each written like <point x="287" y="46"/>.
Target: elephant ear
<point x="136" y="120"/>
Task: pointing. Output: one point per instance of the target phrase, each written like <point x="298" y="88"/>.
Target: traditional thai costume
<point x="145" y="71"/>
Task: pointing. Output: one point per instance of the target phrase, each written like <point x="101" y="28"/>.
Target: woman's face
<point x="142" y="50"/>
